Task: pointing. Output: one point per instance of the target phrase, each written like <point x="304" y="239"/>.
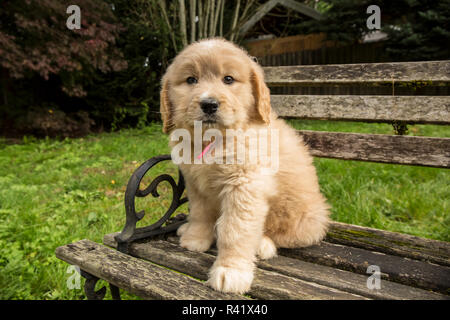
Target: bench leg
<point x="89" y="288"/>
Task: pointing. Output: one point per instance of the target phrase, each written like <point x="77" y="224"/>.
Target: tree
<point x="343" y="21"/>
<point x="131" y="97"/>
<point x="229" y="19"/>
<point x="422" y="31"/>
<point x="207" y="18"/>
<point x="45" y="67"/>
<point x="34" y="40"/>
<point x="416" y="29"/>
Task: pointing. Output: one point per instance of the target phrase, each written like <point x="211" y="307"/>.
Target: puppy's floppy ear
<point x="165" y="106"/>
<point x="261" y="94"/>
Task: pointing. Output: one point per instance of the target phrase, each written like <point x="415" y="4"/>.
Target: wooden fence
<point x="358" y="53"/>
<point x="330" y="54"/>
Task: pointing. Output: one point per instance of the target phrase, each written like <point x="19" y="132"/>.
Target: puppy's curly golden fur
<point x="247" y="212"/>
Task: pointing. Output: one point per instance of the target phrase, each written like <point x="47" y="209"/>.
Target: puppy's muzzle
<point x="209" y="105"/>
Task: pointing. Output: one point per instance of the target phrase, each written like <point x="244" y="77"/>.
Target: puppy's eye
<point x="191" y="80"/>
<point x="228" y="80"/>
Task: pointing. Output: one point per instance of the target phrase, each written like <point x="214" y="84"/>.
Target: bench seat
<point x="158" y="268"/>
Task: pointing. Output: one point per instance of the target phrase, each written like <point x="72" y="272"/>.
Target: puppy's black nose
<point x="209" y="105"/>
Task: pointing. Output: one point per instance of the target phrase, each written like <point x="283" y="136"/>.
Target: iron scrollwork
<point x="130" y="232"/>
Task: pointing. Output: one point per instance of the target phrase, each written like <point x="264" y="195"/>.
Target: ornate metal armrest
<point x="130" y="232"/>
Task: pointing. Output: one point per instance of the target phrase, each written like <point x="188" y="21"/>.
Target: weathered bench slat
<point x="340" y="279"/>
<point x="425" y="151"/>
<point x="413" y="109"/>
<point x="394" y="243"/>
<point x="424" y="72"/>
<point x="266" y="284"/>
<point x="137" y="276"/>
<point x="402" y="270"/>
<point x="347" y="281"/>
<point x="330" y="277"/>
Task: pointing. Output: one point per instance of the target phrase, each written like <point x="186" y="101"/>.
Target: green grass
<point x="56" y="192"/>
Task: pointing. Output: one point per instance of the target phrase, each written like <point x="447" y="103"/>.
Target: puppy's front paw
<point x="195" y="244"/>
<point x="266" y="249"/>
<point x="228" y="279"/>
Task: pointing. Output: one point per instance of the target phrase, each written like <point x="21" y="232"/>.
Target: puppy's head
<point x="215" y="82"/>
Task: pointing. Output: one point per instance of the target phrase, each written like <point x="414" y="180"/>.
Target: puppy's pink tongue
<point x="201" y="155"/>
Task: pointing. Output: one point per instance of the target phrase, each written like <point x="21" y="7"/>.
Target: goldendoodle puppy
<point x="248" y="204"/>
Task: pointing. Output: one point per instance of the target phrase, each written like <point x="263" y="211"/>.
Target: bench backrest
<point x="413" y="109"/>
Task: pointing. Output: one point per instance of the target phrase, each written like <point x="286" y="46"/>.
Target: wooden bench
<point x="150" y="263"/>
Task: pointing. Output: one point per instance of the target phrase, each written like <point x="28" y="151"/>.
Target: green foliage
<point x="417" y="29"/>
<point x="343" y="20"/>
<point x="35" y="41"/>
<point x="131" y="97"/>
<point x="45" y="66"/>
<point x="110" y="69"/>
<point x="56" y="192"/>
<point x="423" y="34"/>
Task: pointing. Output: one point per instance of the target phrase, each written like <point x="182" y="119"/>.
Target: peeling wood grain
<point x="134" y="275"/>
<point x="346" y="281"/>
<point x="424" y="151"/>
<point x="426" y="72"/>
<point x="413" y="109"/>
<point x="266" y="284"/>
<point x="339" y="279"/>
<point x="402" y="270"/>
<point x="394" y="243"/>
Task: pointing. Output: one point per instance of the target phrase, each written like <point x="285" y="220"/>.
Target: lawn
<point x="53" y="192"/>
